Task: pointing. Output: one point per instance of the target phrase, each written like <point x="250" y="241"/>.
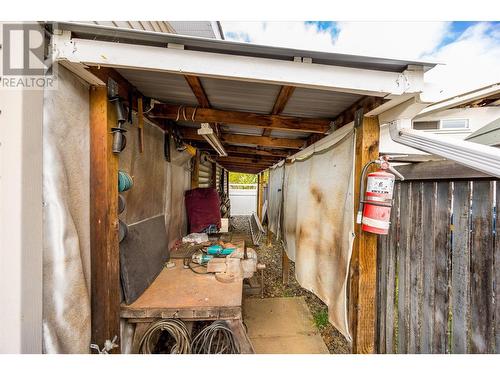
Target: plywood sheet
<point x="180" y="288"/>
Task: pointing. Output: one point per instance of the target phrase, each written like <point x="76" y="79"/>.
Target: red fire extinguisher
<point x="375" y="210"/>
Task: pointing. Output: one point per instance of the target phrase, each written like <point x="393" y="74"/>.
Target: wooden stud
<point x="174" y="112"/>
<point x="140" y="122"/>
<point x="362" y="298"/>
<point x="195" y="173"/>
<point x="260" y="193"/>
<point x="104" y="248"/>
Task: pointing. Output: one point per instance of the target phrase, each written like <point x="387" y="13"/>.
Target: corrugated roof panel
<point x="202" y="29"/>
<point x="238" y="129"/>
<point x="288" y="134"/>
<point x="170" y="88"/>
<point x="240" y="95"/>
<point x="318" y="103"/>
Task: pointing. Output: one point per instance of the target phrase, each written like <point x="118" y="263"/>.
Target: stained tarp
<point x="318" y="219"/>
<point x="159" y="189"/>
<point x="66" y="236"/>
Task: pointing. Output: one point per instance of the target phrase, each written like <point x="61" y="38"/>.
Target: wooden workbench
<point x="180" y="293"/>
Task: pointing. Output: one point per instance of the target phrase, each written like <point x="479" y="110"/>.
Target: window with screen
<point x="455" y="124"/>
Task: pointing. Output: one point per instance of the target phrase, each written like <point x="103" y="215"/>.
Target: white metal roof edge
<point x="460" y="99"/>
<point x="99" y="32"/>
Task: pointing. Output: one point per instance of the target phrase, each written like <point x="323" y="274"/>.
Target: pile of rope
<point x="177" y="331"/>
<point x="217" y="338"/>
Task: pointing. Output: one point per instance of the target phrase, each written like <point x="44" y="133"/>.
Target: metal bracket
<point x="358" y="118"/>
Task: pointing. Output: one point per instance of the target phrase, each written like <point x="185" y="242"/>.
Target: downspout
<point x="476" y="156"/>
<point x="479" y="157"/>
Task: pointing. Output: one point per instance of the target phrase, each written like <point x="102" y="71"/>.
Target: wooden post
<point x="195" y="174"/>
<point x="259" y="196"/>
<point x="104" y="248"/>
<point x="214" y="176"/>
<point x="285" y="267"/>
<point x="362" y="298"/>
<point x="140" y="123"/>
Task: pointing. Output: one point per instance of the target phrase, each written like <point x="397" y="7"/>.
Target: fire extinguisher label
<point x="380" y="185"/>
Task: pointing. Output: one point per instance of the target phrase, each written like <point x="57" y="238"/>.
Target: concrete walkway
<point x="282" y="326"/>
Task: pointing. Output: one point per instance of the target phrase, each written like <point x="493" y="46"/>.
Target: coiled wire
<point x="217" y="338"/>
<point x="176" y="329"/>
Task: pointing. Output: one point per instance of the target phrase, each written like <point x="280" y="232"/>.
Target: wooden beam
<point x="367" y="103"/>
<point x="257" y="151"/>
<point x="248" y="151"/>
<point x="104" y="249"/>
<point x="279" y="105"/>
<point x="177" y="112"/>
<point x="198" y="90"/>
<point x="191" y="133"/>
<point x="363" y="271"/>
<point x="250" y="159"/>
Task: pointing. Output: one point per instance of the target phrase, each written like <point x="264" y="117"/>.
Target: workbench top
<point x="179" y="292"/>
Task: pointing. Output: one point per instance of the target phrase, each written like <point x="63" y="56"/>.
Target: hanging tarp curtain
<point x="318" y="218"/>
<point x="158" y="189"/>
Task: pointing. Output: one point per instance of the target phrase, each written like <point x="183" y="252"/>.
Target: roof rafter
<point x="279" y="105"/>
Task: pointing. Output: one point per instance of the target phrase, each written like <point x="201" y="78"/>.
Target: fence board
<point x="429" y="225"/>
<point x="460" y="266"/>
<point x="439" y="268"/>
<point x="391" y="271"/>
<point x="383" y="244"/>
<point x="403" y="269"/>
<point x="415" y="267"/>
<point x="497" y="270"/>
<point x="482" y="269"/>
<point x="441" y="275"/>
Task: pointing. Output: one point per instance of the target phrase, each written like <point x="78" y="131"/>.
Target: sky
<point x="469" y="51"/>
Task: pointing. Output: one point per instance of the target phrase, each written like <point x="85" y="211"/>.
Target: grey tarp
<point x="318" y="219"/>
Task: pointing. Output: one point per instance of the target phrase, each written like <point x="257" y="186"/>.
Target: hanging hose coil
<point x="175" y="328"/>
<point x="125" y="181"/>
<point x="217" y="338"/>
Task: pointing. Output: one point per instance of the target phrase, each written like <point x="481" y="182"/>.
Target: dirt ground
<point x="273" y="287"/>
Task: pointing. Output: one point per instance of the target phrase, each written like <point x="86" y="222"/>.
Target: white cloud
<point x="403" y="40"/>
<point x="282" y="34"/>
<point x="471" y="61"/>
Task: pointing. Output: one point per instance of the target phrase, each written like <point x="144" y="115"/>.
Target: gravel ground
<point x="273" y="287"/>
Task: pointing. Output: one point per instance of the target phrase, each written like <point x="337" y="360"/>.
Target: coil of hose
<point x="175" y="328"/>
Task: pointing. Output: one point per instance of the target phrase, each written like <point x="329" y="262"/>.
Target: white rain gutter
<point x="480" y="157"/>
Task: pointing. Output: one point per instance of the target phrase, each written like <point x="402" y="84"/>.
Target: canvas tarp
<point x="159" y="189"/>
<point x="318" y="219"/>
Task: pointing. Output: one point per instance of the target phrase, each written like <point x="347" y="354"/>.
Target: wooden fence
<point x="439" y="268"/>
